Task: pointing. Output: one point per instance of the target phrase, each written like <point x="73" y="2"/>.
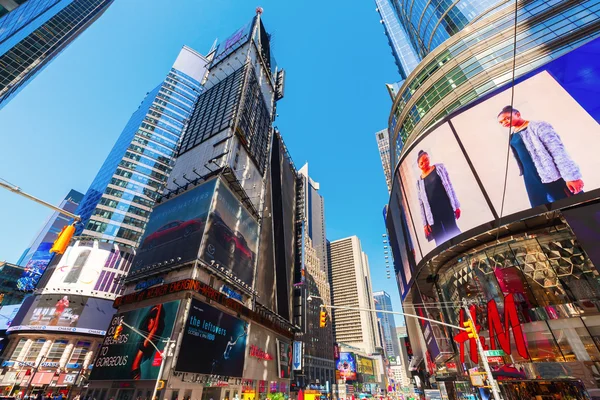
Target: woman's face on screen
<point x="424" y="162"/>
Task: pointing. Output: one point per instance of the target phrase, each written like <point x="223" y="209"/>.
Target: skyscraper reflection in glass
<point x="33" y="32"/>
<point x="118" y="203"/>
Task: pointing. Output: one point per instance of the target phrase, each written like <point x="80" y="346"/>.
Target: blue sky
<point x="58" y="130"/>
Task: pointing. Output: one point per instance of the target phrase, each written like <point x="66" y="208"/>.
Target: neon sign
<point x="259" y="353"/>
<point x="496" y="330"/>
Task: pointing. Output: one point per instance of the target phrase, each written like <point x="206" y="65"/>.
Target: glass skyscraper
<point x="388" y="324"/>
<point x="404" y="54"/>
<point x="118" y="203"/>
<point x="33" y="32"/>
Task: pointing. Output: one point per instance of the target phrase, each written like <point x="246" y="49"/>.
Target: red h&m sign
<point x="496" y="330"/>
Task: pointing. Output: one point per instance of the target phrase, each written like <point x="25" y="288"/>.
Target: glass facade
<point x="118" y="203"/>
<point x="477" y="60"/>
<point x="35" y="32"/>
<point x="388" y="325"/>
<point x="556" y="292"/>
<point x="404" y="54"/>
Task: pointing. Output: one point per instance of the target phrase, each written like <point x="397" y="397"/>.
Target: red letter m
<point x="511" y="320"/>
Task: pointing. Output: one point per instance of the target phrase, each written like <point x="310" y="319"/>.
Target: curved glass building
<point x="495" y="202"/>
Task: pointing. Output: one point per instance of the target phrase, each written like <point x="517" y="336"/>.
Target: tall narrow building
<point x="33" y="32"/>
<point x="313" y="289"/>
<point x="383" y="144"/>
<point x="216" y="264"/>
<point x="118" y="203"/>
<point x="388" y="324"/>
<point x="351" y="287"/>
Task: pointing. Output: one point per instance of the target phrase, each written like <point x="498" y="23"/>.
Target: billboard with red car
<point x="175" y="229"/>
<point x="231" y="236"/>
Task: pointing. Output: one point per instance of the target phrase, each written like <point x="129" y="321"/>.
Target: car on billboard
<point x="174" y="230"/>
<point x="234" y="242"/>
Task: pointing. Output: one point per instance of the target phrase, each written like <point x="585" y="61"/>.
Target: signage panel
<point x="297" y="356"/>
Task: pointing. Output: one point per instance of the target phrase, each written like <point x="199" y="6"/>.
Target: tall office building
<point x="383" y="144"/>
<point x="388" y="324"/>
<point x="118" y="203"/>
<point x="217" y="262"/>
<point x="33" y="32"/>
<point x="318" y="342"/>
<point x="405" y="56"/>
<point x="484" y="61"/>
<point x="351" y="287"/>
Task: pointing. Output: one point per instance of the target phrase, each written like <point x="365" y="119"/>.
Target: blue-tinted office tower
<point x="383" y="302"/>
<point x="118" y="203"/>
<point x="33" y="32"/>
<point x="404" y="54"/>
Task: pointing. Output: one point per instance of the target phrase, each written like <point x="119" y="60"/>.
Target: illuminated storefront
<point x="533" y="286"/>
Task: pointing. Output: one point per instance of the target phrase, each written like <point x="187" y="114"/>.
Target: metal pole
<point x="35" y="370"/>
<point x="162" y="366"/>
<point x="17" y="190"/>
<point x="392" y="312"/>
<point x="481" y="351"/>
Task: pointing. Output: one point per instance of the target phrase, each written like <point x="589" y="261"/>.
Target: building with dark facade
<point x="33" y="32"/>
<point x="211" y="282"/>
<point x="511" y="229"/>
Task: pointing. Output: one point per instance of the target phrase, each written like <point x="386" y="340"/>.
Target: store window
<point x="574" y="340"/>
<point x="34" y="350"/>
<point x="540" y="343"/>
<point x="79" y="353"/>
<point x="18" y="349"/>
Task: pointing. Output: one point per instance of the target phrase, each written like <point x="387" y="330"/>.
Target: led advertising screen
<point x="63" y="313"/>
<point x="364" y="365"/>
<point x="35" y="267"/>
<point x="233" y="42"/>
<point x="221" y="337"/>
<point x="131" y="356"/>
<point x="346" y="365"/>
<point x="232" y="236"/>
<point x="453" y="176"/>
<point x="284" y="357"/>
<point x="175" y="228"/>
<point x="89" y="266"/>
<point x="7" y="315"/>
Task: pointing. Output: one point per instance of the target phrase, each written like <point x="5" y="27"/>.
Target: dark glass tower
<point x="33" y="32"/>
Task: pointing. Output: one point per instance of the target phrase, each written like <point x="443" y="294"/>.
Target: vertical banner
<point x="297" y="356"/>
<point x="284" y="359"/>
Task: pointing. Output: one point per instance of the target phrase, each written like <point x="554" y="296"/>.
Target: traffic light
<point x="323" y="319"/>
<point x="471" y="332"/>
<point x="118" y="331"/>
<point x="161" y="385"/>
<point x="64" y="238"/>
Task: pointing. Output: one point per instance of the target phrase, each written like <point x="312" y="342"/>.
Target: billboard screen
<point x="364" y="365"/>
<point x="231" y="236"/>
<point x="63" y="313"/>
<point x="89" y="266"/>
<point x="175" y="228"/>
<point x="7" y="315"/>
<point x="284" y="357"/>
<point x="221" y="337"/>
<point x="131" y="356"/>
<point x="346" y="365"/>
<point x="35" y="267"/>
<point x="453" y="176"/>
<point x="233" y="42"/>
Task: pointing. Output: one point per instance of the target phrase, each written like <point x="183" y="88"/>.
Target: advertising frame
<point x="346" y="366"/>
<point x="554" y="68"/>
<point x="130" y="352"/>
<point x="284" y="356"/>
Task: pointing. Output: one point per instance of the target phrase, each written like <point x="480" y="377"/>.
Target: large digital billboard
<point x="89" y="266"/>
<point x="63" y="313"/>
<point x="221" y="338"/>
<point x="175" y="228"/>
<point x="453" y="176"/>
<point x="231" y="236"/>
<point x="233" y="42"/>
<point x="364" y="365"/>
<point x="35" y="267"/>
<point x="346" y="365"/>
<point x="132" y="356"/>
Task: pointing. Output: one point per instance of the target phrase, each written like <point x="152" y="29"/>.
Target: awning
<point x="42" y="378"/>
